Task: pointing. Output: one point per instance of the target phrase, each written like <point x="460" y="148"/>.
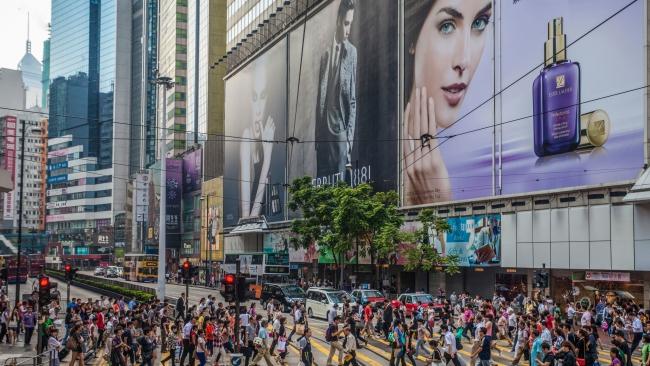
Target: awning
<point x="640" y="192"/>
<point x="5" y="181"/>
<point x="250" y="225"/>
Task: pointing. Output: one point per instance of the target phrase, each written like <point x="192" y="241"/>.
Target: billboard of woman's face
<point x="444" y="44"/>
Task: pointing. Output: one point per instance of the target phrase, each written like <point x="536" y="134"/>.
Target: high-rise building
<point x="144" y="60"/>
<point x="33" y="174"/>
<point x="45" y="75"/>
<point x="12" y="91"/>
<point x="90" y="93"/>
<point x="244" y="15"/>
<point x="172" y="62"/>
<point x="31" y="70"/>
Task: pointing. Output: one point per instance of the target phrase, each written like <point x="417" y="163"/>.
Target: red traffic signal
<point x="68" y="268"/>
<point x="186" y="266"/>
<point x="44" y="283"/>
<point x="229" y="279"/>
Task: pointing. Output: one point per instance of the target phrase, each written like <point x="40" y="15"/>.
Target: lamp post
<point x="208" y="244"/>
<point x="167" y="84"/>
<point x="20" y="205"/>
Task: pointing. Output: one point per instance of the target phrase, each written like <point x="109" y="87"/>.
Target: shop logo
<point x="559" y="81"/>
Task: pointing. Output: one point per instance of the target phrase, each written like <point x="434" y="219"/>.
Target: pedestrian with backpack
<point x="332" y="335"/>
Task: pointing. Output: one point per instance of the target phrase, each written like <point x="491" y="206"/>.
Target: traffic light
<point x="242" y="288"/>
<point x="228" y="287"/>
<point x="540" y="279"/>
<point x="70" y="272"/>
<point x="44" y="286"/>
<point x="187" y="268"/>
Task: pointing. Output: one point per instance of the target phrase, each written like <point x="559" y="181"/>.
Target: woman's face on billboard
<point x="448" y="51"/>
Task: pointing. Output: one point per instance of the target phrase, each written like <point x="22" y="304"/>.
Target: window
<point x="180" y="17"/>
<point x="179" y="96"/>
<point x="181" y="33"/>
<point x="181" y="2"/>
<point x="179" y="144"/>
<point x="181" y="48"/>
<point x="181" y="65"/>
<point x="181" y="80"/>
<point x="180" y="112"/>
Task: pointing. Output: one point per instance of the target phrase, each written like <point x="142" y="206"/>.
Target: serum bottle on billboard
<point x="556" y="97"/>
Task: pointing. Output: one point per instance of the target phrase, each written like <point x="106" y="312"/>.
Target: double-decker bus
<point x="36" y="264"/>
<point x="141" y="267"/>
<point x="15" y="272"/>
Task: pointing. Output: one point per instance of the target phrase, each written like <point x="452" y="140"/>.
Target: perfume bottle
<point x="556" y="97"/>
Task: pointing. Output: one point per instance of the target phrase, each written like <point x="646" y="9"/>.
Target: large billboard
<point x="9" y="163"/>
<point x="553" y="111"/>
<point x="475" y="240"/>
<point x="192" y="171"/>
<point x="212" y="224"/>
<point x="255" y="115"/>
<point x="343" y="94"/>
<point x="173" y="198"/>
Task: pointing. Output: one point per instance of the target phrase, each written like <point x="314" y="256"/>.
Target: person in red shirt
<point x="367" y="318"/>
<point x="209" y="336"/>
<point x="101" y="327"/>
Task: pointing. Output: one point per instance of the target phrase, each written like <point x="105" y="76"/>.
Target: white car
<point x="319" y="301"/>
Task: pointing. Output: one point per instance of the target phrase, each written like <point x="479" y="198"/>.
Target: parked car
<point x="100" y="271"/>
<point x="319" y="301"/>
<point x="112" y="272"/>
<point x="286" y="294"/>
<point x="364" y="297"/>
<point x="409" y="302"/>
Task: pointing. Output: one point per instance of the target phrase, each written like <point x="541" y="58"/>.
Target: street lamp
<point x="208" y="245"/>
<point x="20" y="203"/>
<point x="167" y="84"/>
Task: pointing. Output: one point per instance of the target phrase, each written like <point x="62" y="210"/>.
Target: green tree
<point x="423" y="255"/>
<point x="316" y="205"/>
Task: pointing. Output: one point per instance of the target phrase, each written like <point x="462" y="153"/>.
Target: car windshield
<point x="338" y="297"/>
<point x="372" y="293"/>
<point x="293" y="291"/>
<point x="424" y="298"/>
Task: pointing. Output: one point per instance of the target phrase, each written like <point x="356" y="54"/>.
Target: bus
<point x="12" y="267"/>
<point x="36" y="265"/>
<point x="141" y="267"/>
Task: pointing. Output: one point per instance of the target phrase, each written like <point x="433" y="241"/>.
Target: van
<point x="320" y="301"/>
<point x="285" y="294"/>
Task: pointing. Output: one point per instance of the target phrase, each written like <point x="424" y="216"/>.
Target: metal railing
<point x="43" y="359"/>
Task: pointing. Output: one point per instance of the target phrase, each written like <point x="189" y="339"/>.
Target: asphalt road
<point x="376" y="353"/>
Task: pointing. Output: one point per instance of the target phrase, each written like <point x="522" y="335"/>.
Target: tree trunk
<point x="373" y="265"/>
<point x="342" y="259"/>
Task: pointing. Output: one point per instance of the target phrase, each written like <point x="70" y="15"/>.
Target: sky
<point x="13" y="27"/>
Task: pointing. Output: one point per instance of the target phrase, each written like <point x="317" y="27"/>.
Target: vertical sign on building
<point x="9" y="160"/>
<point x="141" y="199"/>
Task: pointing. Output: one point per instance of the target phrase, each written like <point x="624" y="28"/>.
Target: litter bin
<point x="236" y="359"/>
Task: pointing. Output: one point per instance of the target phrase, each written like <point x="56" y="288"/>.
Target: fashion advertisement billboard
<point x="212" y="227"/>
<point x="550" y="113"/>
<point x="255" y="121"/>
<point x="343" y="94"/>
<point x="192" y="171"/>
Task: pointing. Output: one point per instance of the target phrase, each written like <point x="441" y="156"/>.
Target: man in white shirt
<point x="570" y="314"/>
<point x="450" y="346"/>
<point x="188" y="347"/>
<point x="637" y="329"/>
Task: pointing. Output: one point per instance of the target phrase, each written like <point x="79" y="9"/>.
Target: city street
<point x="376" y="353"/>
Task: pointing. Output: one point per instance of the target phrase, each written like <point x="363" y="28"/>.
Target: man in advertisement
<point x="336" y="101"/>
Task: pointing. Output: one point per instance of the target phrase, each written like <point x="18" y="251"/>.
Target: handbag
<point x="282" y="344"/>
<point x="300" y="329"/>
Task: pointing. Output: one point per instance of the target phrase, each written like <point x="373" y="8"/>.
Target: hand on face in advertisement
<point x="426" y="178"/>
<point x="268" y="134"/>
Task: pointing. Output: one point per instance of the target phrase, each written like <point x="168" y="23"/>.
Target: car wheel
<point x="310" y="314"/>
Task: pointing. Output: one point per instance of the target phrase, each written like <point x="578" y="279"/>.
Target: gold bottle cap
<point x="594" y="129"/>
<point x="555" y="46"/>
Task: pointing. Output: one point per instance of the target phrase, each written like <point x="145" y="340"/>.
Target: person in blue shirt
<point x="536" y="349"/>
<point x="132" y="304"/>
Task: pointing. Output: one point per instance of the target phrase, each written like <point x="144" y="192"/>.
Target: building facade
<point x="536" y="161"/>
<point x="34" y="173"/>
<point x="144" y="52"/>
<point x="172" y="62"/>
<point x="90" y="73"/>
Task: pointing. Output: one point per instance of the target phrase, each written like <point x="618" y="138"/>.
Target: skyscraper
<point x="90" y="93"/>
<point x="31" y="70"/>
<point x="144" y="60"/>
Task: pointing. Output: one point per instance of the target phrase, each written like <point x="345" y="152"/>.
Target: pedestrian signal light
<point x="229" y="279"/>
